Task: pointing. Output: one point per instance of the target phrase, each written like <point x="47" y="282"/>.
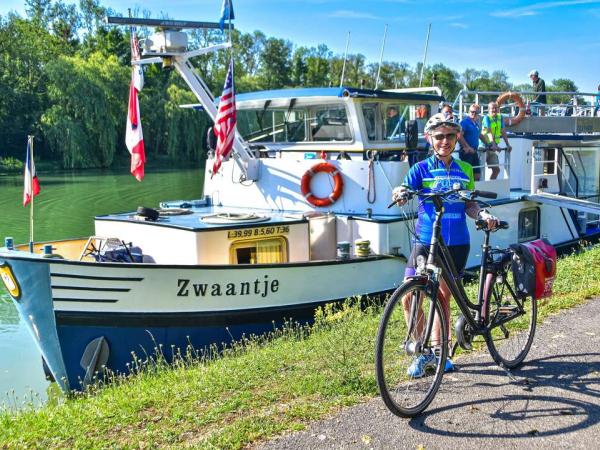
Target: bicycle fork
<point x="414" y="346"/>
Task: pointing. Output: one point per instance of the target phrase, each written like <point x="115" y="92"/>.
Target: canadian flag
<point x="134" y="138"/>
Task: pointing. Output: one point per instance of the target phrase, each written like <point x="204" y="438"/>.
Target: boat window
<point x="581" y="170"/>
<point x="331" y="124"/>
<point x="259" y="251"/>
<point x="387" y="121"/>
<point x="304" y="123"/>
<point x="372" y="116"/>
<point x="529" y="224"/>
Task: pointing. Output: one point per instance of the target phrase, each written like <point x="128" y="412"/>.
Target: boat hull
<point x="145" y="310"/>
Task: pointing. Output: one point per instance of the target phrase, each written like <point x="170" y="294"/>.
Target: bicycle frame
<point x="439" y="256"/>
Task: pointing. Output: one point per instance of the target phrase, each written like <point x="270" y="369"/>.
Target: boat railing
<point x="503" y="165"/>
<point x="549" y="166"/>
<point x="571" y="103"/>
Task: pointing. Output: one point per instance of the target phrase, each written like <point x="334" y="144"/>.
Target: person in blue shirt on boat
<point x="440" y="172"/>
<point x="471" y="131"/>
<point x="493" y="129"/>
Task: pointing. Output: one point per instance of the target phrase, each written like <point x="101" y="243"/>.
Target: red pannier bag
<point x="534" y="268"/>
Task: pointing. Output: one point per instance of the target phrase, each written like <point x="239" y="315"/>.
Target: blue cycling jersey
<point x="431" y="175"/>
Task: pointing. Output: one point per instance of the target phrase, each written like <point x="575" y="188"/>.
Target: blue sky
<point x="561" y="39"/>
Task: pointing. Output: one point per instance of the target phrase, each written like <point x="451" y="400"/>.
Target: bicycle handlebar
<point x="485" y="194"/>
<point x="464" y="194"/>
<point x="482" y="225"/>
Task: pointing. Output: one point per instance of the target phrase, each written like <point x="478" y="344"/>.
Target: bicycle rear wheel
<point x="401" y="350"/>
<point x="512" y="321"/>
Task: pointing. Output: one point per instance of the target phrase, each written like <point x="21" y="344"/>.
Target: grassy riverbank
<point x="252" y="393"/>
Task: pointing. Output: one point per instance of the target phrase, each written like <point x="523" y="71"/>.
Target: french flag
<point x="32" y="184"/>
<point x="134" y="138"/>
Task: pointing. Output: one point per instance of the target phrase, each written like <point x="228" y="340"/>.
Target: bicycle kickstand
<point x="523" y="381"/>
<point x="453" y="350"/>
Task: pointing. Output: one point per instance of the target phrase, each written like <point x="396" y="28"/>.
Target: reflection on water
<point x="8" y="314"/>
<point x="64" y="209"/>
<point x="21" y="373"/>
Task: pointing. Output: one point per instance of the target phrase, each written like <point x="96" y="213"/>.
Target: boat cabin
<point x="369" y="138"/>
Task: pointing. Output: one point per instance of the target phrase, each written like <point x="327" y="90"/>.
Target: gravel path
<point x="479" y="407"/>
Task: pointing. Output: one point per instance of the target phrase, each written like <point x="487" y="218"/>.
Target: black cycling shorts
<point x="459" y="254"/>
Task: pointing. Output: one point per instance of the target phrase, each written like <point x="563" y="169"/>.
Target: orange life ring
<point x="515" y="97"/>
<point x="337" y="188"/>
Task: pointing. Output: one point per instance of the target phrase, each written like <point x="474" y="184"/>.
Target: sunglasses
<point x="474" y="112"/>
<point x="442" y="136"/>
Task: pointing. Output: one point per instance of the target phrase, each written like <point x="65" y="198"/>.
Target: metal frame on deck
<point x="243" y="156"/>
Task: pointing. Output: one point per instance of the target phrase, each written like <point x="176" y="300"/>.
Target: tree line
<point x="64" y="78"/>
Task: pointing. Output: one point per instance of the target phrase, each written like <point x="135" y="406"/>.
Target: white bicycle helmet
<point x="440" y="120"/>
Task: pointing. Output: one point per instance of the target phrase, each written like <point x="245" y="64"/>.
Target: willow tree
<point x="185" y="127"/>
<point x="25" y="49"/>
<point x="85" y="123"/>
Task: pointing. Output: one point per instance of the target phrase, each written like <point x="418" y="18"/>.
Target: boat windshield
<point x="582" y="171"/>
<point x="387" y="121"/>
<point x="296" y="123"/>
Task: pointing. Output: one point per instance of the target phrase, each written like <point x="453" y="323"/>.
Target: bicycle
<point x="405" y="329"/>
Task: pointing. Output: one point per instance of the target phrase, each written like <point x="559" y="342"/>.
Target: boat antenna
<point x="345" y="58"/>
<point x="381" y="56"/>
<point x="425" y="55"/>
<point x="30" y="183"/>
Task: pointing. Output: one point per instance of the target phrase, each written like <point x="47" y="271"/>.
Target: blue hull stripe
<point x="142" y="334"/>
<point x="190" y="318"/>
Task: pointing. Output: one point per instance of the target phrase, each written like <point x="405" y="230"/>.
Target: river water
<point x="64" y="209"/>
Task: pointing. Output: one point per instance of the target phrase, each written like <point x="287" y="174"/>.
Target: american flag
<point x="134" y="138"/>
<point x="225" y="121"/>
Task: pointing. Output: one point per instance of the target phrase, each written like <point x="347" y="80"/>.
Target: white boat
<point x="312" y="174"/>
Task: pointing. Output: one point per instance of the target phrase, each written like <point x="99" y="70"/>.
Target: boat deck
<point x="209" y="218"/>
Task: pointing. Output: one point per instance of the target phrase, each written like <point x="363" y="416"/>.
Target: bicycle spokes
<point x="511" y="323"/>
<point x="408" y="369"/>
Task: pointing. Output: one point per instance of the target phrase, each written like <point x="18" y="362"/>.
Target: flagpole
<point x="230" y="31"/>
<point x="30" y="181"/>
<point x="381" y="56"/>
<point x="345" y="58"/>
<point x="425" y="55"/>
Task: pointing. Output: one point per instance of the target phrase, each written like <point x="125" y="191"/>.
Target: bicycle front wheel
<point x="408" y="364"/>
<point x="511" y="320"/>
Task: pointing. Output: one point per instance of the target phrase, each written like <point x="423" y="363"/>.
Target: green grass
<point x="254" y="392"/>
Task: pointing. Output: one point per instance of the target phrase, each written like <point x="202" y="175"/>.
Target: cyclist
<point x="440" y="172"/>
